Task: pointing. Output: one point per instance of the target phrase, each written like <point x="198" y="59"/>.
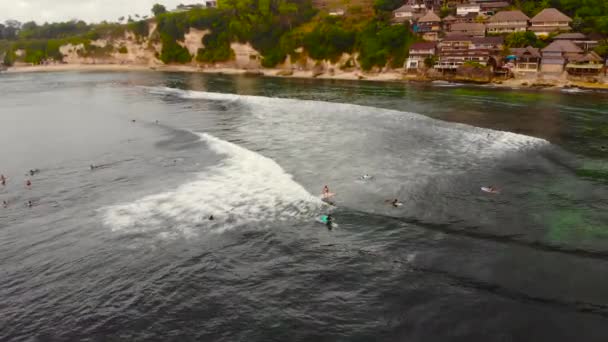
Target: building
<point x="336" y="12"/>
<point x="419" y="52"/>
<point x="580" y="39"/>
<point x="448" y="22"/>
<point x="507" y="22"/>
<point x="590" y="64"/>
<point x="491" y="7"/>
<point x="468" y="29"/>
<point x="403" y="14"/>
<point x="493" y="44"/>
<point x="467" y="8"/>
<point x="429" y="26"/>
<point x="456" y="50"/>
<point x="525" y="60"/>
<point x="549" y="21"/>
<point x="210" y="3"/>
<point x="557" y="54"/>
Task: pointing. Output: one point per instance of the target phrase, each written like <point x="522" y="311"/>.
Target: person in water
<point x="326" y="190"/>
<point x="4" y="204"/>
<point x="329" y="222"/>
<point x="30" y="204"/>
<point x="28" y="183"/>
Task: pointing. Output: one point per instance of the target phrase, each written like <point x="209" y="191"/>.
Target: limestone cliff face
<point x="126" y="49"/>
<point x="193" y="40"/>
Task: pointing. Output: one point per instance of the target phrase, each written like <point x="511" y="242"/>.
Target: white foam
<point x="244" y="188"/>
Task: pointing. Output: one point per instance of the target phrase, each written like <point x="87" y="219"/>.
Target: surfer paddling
<point x="491" y="189"/>
<point x="395" y="203"/>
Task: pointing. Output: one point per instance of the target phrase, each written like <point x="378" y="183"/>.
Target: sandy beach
<point x="389" y="76"/>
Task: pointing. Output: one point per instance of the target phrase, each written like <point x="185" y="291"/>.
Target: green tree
<point x="158" y="9"/>
<point x="521" y="39"/>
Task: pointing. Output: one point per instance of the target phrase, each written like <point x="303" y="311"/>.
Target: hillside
<point x="249" y="33"/>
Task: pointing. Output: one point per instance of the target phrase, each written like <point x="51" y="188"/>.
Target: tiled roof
<point x="495" y="40"/>
<point x="468" y="27"/>
<point x="550" y="14"/>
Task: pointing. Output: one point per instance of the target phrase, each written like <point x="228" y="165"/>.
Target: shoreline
<point x="391" y="76"/>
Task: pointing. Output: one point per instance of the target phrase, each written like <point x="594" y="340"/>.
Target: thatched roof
<point x="550" y="15"/>
<point x="429" y="17"/>
<point x="520" y="52"/>
<point x="565" y="46"/>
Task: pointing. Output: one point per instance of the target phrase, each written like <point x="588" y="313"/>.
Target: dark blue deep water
<point x="126" y="251"/>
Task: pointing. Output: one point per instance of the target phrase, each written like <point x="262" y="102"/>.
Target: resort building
<point x="548" y="21"/>
<point x="456" y="50"/>
<point x="557" y="54"/>
<point x="507" y="22"/>
<point x="418" y="53"/>
<point x="590" y="64"/>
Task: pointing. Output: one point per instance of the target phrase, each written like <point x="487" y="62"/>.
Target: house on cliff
<point x="525" y="60"/>
<point x="403" y="14"/>
<point x="548" y="21"/>
<point x="429" y="26"/>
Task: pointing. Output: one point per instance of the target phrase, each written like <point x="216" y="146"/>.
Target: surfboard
<point x="323" y="219"/>
<point x="488" y="190"/>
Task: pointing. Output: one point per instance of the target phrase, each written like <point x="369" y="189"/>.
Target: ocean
<point x="119" y="244"/>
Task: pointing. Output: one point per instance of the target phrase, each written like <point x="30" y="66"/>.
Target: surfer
<point x="366" y="177"/>
<point x="329" y="222"/>
<point x="29" y="204"/>
<point x="395" y="203"/>
<point x="326" y="191"/>
<point x="28" y="184"/>
<point x="211" y="218"/>
<point x="33" y="171"/>
<point x="491" y="189"/>
<point x="2" y="180"/>
<point x="4" y="204"/>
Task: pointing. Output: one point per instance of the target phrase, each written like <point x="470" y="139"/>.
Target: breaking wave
<point x="244" y="188"/>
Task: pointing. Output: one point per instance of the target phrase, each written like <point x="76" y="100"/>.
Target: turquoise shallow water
<point x="127" y="251"/>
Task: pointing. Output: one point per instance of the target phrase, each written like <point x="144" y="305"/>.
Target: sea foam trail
<point x="244" y="188"/>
